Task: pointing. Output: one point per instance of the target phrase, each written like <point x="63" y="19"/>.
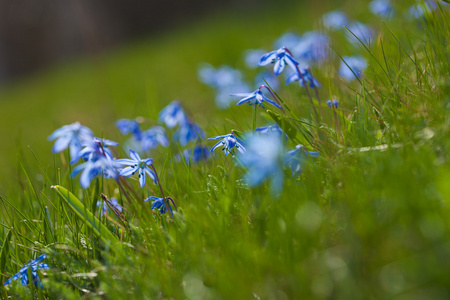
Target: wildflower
<point x="22" y="275"/>
<point x="189" y="131"/>
<point x="334" y="19"/>
<point x="95" y="147"/>
<point x="352" y="66"/>
<point x="358" y="32"/>
<point x="153" y="137"/>
<point x="381" y="8"/>
<point x="255" y="98"/>
<point x="271" y="130"/>
<point x="137" y="164"/>
<point x="280" y="57"/>
<point x="129" y="126"/>
<point x="96" y="165"/>
<point x="307" y="76"/>
<point x="262" y="160"/>
<point x="333" y="103"/>
<point x="172" y="115"/>
<point x="159" y="203"/>
<point x="228" y="142"/>
<point x="115" y="204"/>
<point x="295" y="158"/>
<point x="313" y="47"/>
<point x="72" y="136"/>
<point x="288" y="40"/>
<point x="197" y="154"/>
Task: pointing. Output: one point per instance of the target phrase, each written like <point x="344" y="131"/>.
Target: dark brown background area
<point x="37" y="33"/>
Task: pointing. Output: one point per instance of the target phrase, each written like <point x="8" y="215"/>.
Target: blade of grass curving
<point x="4" y="254"/>
<point x="90" y="220"/>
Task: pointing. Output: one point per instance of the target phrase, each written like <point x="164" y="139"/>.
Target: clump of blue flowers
<point x="32" y="266"/>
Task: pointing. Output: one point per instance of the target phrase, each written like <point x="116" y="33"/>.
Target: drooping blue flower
<point x="115" y="204"/>
<point x="263" y="161"/>
<point x="159" y="203"/>
<point x="255" y="98"/>
<point x="294" y="159"/>
<point x="382" y="8"/>
<point x="357" y="32"/>
<point x="312" y="48"/>
<point x="96" y="165"/>
<point x="356" y="65"/>
<point x="335" y="19"/>
<point x="334" y="103"/>
<point x="95" y="147"/>
<point x="22" y="275"/>
<point x="136" y="164"/>
<point x="229" y="143"/>
<point x="153" y="137"/>
<point x="188" y="132"/>
<point x="307" y="76"/>
<point x="198" y="153"/>
<point x="126" y="126"/>
<point x="280" y="57"/>
<point x="172" y="115"/>
<point x="72" y="136"/>
<point x="266" y="78"/>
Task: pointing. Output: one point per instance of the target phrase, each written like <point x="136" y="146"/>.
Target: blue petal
<point x="291" y="78"/>
<point x="128" y="171"/>
<point x="142" y="178"/>
<point x="135" y="155"/>
<point x="267" y="58"/>
<point x="61" y="144"/>
<point x="126" y="161"/>
<point x="279" y="67"/>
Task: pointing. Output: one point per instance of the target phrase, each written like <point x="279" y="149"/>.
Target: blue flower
<point x="115" y="204"/>
<point x="72" y="136"/>
<point x="381" y="8"/>
<point x="307" y="76"/>
<point x="255" y="98"/>
<point x="22" y="275"/>
<point x="153" y="137"/>
<point x="288" y="40"/>
<point x="95" y="147"/>
<point x="356" y="65"/>
<point x="334" y="102"/>
<point x="313" y="47"/>
<point x="263" y="161"/>
<point x="294" y="159"/>
<point x="129" y="126"/>
<point x="252" y="57"/>
<point x="137" y="164"/>
<point x="280" y="57"/>
<point x="198" y="153"/>
<point x="271" y="130"/>
<point x="159" y="203"/>
<point x="97" y="165"/>
<point x="172" y="115"/>
<point x="228" y="143"/>
<point x="188" y="132"/>
<point x="335" y="19"/>
<point x="357" y="30"/>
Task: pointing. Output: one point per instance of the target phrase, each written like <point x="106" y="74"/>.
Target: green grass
<point x="368" y="219"/>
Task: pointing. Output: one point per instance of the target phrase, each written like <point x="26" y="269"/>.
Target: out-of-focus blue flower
<point x="335" y="103"/>
<point x="188" y="132"/>
<point x="137" y="164"/>
<point x="271" y="79"/>
<point x="288" y="40"/>
<point x="307" y="76"/>
<point x="153" y="137"/>
<point x="382" y="8"/>
<point x="252" y="57"/>
<point x="356" y="65"/>
<point x="97" y="165"/>
<point x="425" y="7"/>
<point x="72" y="136"/>
<point x="313" y="47"/>
<point x="361" y="31"/>
<point x="294" y="159"/>
<point x="159" y="203"/>
<point x="115" y="204"/>
<point x="228" y="143"/>
<point x="255" y="98"/>
<point x="271" y="130"/>
<point x="126" y="126"/>
<point x="95" y="147"/>
<point x="22" y="275"/>
<point x="335" y="19"/>
<point x="280" y="57"/>
<point x="263" y="161"/>
<point x="172" y="115"/>
<point x="198" y="153"/>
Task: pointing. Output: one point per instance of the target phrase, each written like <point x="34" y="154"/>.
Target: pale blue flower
<point x="229" y="143"/>
<point x="280" y="57"/>
<point x="307" y="76"/>
<point x="382" y="8"/>
<point x="188" y="132"/>
<point x="356" y="65"/>
<point x="172" y="115"/>
<point x="288" y="40"/>
<point x="362" y="32"/>
<point x="94" y="147"/>
<point x="72" y="136"/>
<point x="294" y="159"/>
<point x="126" y="126"/>
<point x="115" y="204"/>
<point x="263" y="161"/>
<point x="255" y="98"/>
<point x="271" y="130"/>
<point x="97" y="165"/>
<point x="313" y="47"/>
<point x="136" y="164"/>
<point x="153" y="137"/>
<point x="335" y="19"/>
<point x="333" y="102"/>
<point x="22" y="275"/>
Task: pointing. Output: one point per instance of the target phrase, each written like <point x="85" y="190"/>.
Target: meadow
<point x="334" y="186"/>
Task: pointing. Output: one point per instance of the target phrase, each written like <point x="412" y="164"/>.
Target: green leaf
<point x="91" y="221"/>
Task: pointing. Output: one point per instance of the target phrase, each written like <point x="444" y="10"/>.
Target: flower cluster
<point x="32" y="267"/>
